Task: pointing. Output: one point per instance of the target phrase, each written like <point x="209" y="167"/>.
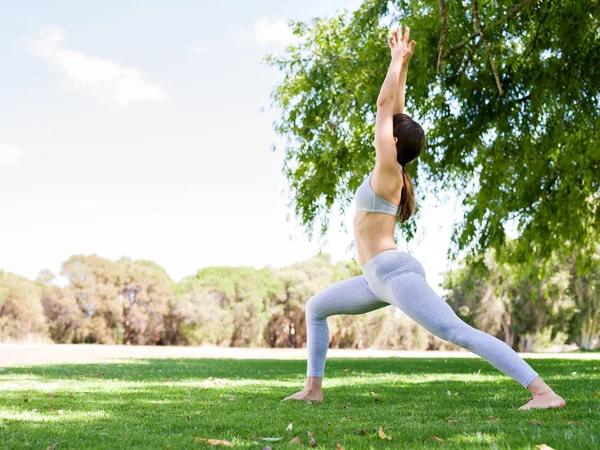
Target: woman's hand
<point x="399" y="45"/>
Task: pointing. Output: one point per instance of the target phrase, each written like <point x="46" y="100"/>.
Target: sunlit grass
<point x="418" y="402"/>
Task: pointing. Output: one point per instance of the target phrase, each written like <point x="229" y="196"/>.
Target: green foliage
<point x="21" y="313"/>
<point x="135" y="302"/>
<point x="512" y="302"/>
<point x="529" y="156"/>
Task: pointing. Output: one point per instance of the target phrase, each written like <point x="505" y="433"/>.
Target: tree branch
<point x="487" y="48"/>
<point x="513" y="12"/>
<point x="443" y="10"/>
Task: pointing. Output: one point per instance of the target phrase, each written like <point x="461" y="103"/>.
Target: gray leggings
<point x="396" y="278"/>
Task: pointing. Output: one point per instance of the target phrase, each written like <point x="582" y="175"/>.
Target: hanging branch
<point x="513" y="12"/>
<point x="443" y="10"/>
<point x="487" y="48"/>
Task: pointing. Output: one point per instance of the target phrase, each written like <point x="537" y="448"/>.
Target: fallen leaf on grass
<point x="215" y="442"/>
<point x="309" y="433"/>
<point x="339" y="447"/>
<point x="344" y="370"/>
<point x="327" y="424"/>
<point x="544" y="447"/>
<point x="51" y="409"/>
<point x="573" y="422"/>
<point x="296" y="440"/>
<point x="382" y="435"/>
<point x="349" y="418"/>
<point x="361" y="431"/>
<point x="312" y="442"/>
<point x="373" y="393"/>
<point x="492" y="417"/>
<point x="289" y="427"/>
<point x="345" y="406"/>
<point x="435" y="438"/>
<point x="453" y="421"/>
<point x="537" y="422"/>
<point x="52" y="395"/>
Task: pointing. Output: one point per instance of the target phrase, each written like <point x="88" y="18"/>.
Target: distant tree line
<point x="136" y="302"/>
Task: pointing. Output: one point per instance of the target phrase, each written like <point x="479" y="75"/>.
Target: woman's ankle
<point x="314" y="384"/>
<point x="539" y="387"/>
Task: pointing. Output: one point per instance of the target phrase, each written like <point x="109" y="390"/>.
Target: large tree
<point x="21" y="312"/>
<point x="508" y="94"/>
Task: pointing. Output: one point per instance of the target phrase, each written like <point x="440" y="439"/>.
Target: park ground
<point x="85" y="396"/>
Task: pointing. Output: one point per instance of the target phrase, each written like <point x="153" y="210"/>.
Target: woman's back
<point x="375" y="219"/>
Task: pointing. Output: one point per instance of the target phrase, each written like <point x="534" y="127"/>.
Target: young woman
<point x="392" y="277"/>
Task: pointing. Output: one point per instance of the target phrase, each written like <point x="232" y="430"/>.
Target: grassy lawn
<point x="417" y="402"/>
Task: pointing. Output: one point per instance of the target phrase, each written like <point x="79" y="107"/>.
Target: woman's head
<point x="410" y="142"/>
<point x="410" y="138"/>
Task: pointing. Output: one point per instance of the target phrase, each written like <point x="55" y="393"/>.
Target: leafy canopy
<point x="517" y="140"/>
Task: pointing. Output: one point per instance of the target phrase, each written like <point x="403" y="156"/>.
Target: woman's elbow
<point x="382" y="102"/>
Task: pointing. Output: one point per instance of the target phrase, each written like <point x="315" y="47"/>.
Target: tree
<point x="584" y="287"/>
<point x="226" y="305"/>
<point x="62" y="314"/>
<point x="144" y="291"/>
<point x="508" y="95"/>
<point x="510" y="302"/>
<point x="21" y="313"/>
<point x="95" y="284"/>
<point x="123" y="301"/>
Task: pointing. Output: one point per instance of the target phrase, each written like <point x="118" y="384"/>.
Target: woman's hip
<point x="388" y="264"/>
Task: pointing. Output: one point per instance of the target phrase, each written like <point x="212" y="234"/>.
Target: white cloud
<point x="278" y="32"/>
<point x="10" y="155"/>
<point x="102" y="77"/>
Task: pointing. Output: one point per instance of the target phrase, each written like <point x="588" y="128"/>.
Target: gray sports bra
<point x="367" y="200"/>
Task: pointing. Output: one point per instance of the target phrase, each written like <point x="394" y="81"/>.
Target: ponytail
<point x="407" y="202"/>
<point x="409" y="145"/>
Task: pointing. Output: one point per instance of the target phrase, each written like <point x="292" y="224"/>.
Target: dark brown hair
<point x="411" y="142"/>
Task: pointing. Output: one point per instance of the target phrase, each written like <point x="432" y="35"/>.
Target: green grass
<point x="169" y="403"/>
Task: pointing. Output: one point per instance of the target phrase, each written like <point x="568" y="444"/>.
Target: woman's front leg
<point x="352" y="296"/>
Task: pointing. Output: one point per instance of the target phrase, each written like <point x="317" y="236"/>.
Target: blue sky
<point x="143" y="129"/>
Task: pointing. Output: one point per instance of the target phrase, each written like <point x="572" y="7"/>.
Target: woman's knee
<point x="315" y="307"/>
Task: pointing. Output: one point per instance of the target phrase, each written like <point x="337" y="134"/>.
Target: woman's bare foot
<point x="543" y="396"/>
<point x="545" y="400"/>
<point x="313" y="390"/>
<point x="306" y="394"/>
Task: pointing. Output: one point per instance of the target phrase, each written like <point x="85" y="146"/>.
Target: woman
<point x="391" y="277"/>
